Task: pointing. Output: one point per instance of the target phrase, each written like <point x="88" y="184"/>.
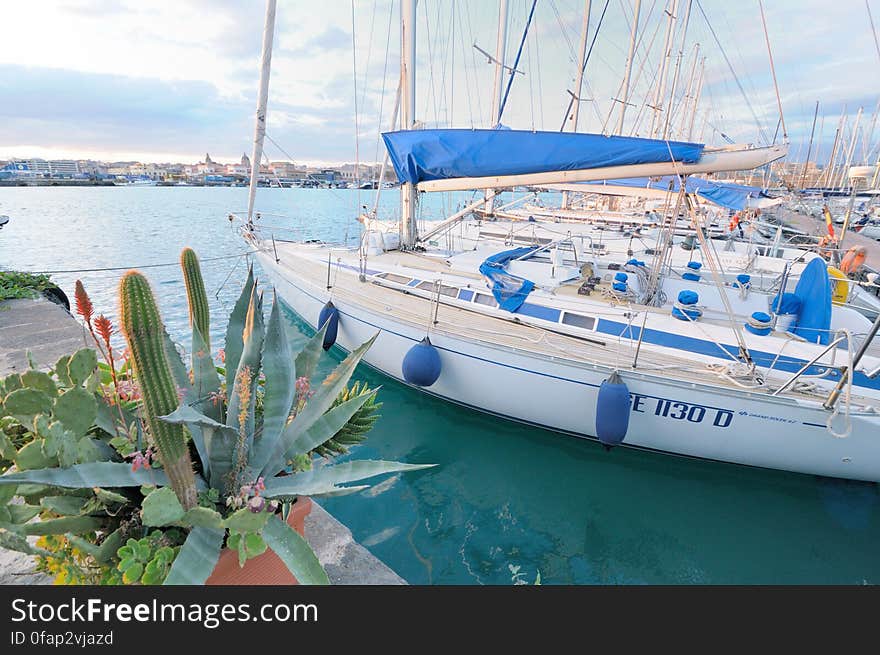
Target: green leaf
<point x="91" y="450"/>
<point x="133" y="573"/>
<point x="76" y="409"/>
<point x="197" y="557"/>
<point x="214" y="441"/>
<point x="22" y="513"/>
<point x="83" y="545"/>
<point x="325" y="479"/>
<point x="64" y="505"/>
<point x="61" y="371"/>
<point x="106" y="417"/>
<point x="26" y="403"/>
<point x="12" y="541"/>
<point x="280" y="387"/>
<point x="235" y="330"/>
<point x="31" y="456"/>
<point x="74" y="524"/>
<point x="12" y="382"/>
<point x="312" y="426"/>
<point x="203" y="517"/>
<point x="81" y="365"/>
<point x="295" y="552"/>
<point x="109" y="497"/>
<point x="107" y="549"/>
<point x="245" y="520"/>
<point x="161" y="507"/>
<point x="39" y="381"/>
<point x="93" y="474"/>
<point x="205" y="379"/>
<point x="308" y="357"/>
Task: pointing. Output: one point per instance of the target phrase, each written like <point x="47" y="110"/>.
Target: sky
<point x="169" y="80"/>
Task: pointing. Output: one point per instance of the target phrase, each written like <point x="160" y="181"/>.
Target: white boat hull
<point x="559" y="394"/>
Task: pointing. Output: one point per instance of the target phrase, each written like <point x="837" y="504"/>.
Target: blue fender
<point x="421" y="364"/>
<point x="612" y="411"/>
<point x="330" y="315"/>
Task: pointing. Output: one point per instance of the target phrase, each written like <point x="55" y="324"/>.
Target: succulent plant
<point x="227" y="476"/>
<point x="144" y="334"/>
<point x="197" y="299"/>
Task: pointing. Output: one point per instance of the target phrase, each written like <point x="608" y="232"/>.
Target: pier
<point x="46" y="331"/>
<point x="816" y="227"/>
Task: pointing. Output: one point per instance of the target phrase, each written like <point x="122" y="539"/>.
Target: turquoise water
<point x="503" y="495"/>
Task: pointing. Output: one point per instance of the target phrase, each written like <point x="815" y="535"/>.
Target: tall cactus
<point x="199" y="313"/>
<point x="143" y="330"/>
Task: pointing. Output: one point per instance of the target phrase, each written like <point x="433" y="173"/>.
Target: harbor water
<point x="506" y="501"/>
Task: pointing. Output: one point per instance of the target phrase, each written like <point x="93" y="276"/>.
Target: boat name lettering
<point x="668" y="408"/>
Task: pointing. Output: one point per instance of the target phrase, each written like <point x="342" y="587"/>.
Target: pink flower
<point x="256" y="504"/>
<point x="222" y="355"/>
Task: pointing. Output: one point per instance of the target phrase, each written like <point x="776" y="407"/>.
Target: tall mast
<point x="679" y="57"/>
<point x="407" y="114"/>
<point x="688" y="94"/>
<point x="660" y="96"/>
<point x="696" y="102"/>
<point x="579" y="82"/>
<point x="629" y="64"/>
<point x="844" y="173"/>
<point x="262" y="100"/>
<point x="809" y="147"/>
<point x="497" y="89"/>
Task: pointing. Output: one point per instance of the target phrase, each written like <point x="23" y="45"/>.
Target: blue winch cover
<point x="724" y="194"/>
<point x="813" y="321"/>
<point x="509" y="290"/>
<point x="420" y="155"/>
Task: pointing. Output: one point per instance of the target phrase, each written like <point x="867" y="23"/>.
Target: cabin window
<point x="445" y="289"/>
<point x="483" y="299"/>
<point x="578" y="320"/>
<point x="391" y="277"/>
<point x="465" y="295"/>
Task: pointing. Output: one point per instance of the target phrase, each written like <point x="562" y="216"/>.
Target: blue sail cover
<point x="731" y="196"/>
<point x="510" y="291"/>
<point x="813" y="320"/>
<point x="421" y="155"/>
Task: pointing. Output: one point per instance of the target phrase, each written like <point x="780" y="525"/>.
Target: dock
<point x="47" y="331"/>
<point x="816" y="227"/>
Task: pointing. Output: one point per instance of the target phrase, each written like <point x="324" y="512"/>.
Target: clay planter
<point x="265" y="569"/>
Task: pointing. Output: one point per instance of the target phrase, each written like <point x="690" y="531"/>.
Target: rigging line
<point x="571" y="51"/>
<point x="761" y="130"/>
<point x="516" y="60"/>
<point x="873" y="29"/>
<point x="364" y="85"/>
<point x="540" y="84"/>
<point x="357" y="130"/>
<point x="130" y="266"/>
<point x="773" y="71"/>
<point x="384" y="80"/>
<point x="477" y="94"/>
<point x="584" y="65"/>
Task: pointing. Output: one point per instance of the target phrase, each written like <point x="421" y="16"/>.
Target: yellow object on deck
<point x="839" y="285"/>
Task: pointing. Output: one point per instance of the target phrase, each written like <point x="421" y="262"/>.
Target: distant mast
<point x="262" y="101"/>
<point x="409" y="234"/>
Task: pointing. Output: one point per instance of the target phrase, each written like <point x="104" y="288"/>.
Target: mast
<point x="679" y="57"/>
<point x="660" y="96"/>
<point x="629" y="65"/>
<point x="688" y="94"/>
<point x="809" y="147"/>
<point x="497" y="91"/>
<point x="579" y="81"/>
<point x="262" y="100"/>
<point x="407" y="114"/>
<point x="844" y="173"/>
<point x="697" y="95"/>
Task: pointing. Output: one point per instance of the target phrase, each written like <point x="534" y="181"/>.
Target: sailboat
<point x="521" y="334"/>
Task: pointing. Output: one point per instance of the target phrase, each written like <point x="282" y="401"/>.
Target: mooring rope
<point x="125" y="268"/>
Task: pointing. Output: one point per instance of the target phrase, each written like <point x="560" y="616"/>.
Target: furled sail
<point x="425" y="155"/>
<point x="723" y="194"/>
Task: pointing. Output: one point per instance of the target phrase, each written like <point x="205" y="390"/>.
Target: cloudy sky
<point x="170" y="80"/>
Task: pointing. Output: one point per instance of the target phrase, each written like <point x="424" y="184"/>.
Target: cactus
<point x="143" y="331"/>
<point x="199" y="313"/>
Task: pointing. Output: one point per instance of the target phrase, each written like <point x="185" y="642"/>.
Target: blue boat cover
<point x="723" y="194"/>
<point x="421" y="155"/>
<point x="510" y="291"/>
<point x="813" y="320"/>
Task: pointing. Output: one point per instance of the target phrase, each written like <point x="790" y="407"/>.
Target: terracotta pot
<point x="265" y="569"/>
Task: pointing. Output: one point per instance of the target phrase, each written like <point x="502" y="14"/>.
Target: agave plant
<point x="230" y="442"/>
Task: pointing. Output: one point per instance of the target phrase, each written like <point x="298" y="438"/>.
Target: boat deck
<point x="599" y="351"/>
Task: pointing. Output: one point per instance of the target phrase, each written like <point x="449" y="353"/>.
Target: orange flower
<point x="104" y="327"/>
<point x="83" y="303"/>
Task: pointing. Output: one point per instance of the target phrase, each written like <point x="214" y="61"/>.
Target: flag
<point x="828" y="221"/>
